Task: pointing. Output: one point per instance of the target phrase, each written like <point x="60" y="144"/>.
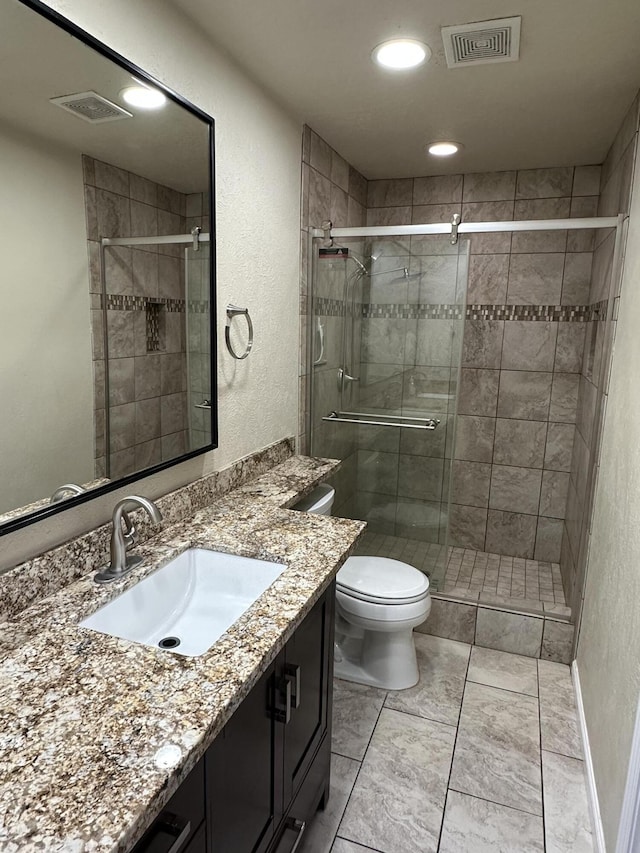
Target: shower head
<point x="363" y="269"/>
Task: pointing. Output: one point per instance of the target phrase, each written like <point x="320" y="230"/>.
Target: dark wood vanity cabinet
<point x="267" y="772"/>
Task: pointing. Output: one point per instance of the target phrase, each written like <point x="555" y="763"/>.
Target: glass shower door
<point x="402" y="316"/>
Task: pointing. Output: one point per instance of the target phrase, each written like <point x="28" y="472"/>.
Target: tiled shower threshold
<point x="495" y="581"/>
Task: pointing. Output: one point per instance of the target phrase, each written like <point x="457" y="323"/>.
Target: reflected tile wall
<point x="145" y="317"/>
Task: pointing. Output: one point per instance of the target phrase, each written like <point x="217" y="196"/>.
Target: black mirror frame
<point x="91" y="42"/>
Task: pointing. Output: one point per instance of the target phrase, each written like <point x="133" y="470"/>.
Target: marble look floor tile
<point x="319" y="835"/>
<point x="558" y="717"/>
<point x="355" y="712"/>
<point x="497" y="754"/>
<point x="398" y="800"/>
<point x="566" y="809"/>
<point x="501" y="669"/>
<point x="438" y="694"/>
<point x="341" y="845"/>
<point x="472" y="825"/>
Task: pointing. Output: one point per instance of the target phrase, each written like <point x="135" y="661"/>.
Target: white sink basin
<point x="192" y="600"/>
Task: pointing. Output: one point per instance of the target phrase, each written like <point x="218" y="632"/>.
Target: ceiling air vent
<point x="482" y="43"/>
<point x="91" y="107"/>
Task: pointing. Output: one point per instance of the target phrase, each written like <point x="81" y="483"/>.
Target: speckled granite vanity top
<point x="98" y="732"/>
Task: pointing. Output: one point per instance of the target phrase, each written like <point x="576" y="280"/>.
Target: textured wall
<point x="45" y="344"/>
<point x="257" y="205"/>
<point x="524" y="333"/>
<point x="609" y="640"/>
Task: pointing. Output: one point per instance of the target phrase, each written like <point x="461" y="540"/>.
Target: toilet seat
<point x="381" y="580"/>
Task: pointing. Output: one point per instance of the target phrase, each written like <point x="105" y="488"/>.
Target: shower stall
<point x="392" y="391"/>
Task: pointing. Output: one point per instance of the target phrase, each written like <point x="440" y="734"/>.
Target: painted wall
<point x="45" y="345"/>
<point x="608" y="651"/>
<point x="258" y="226"/>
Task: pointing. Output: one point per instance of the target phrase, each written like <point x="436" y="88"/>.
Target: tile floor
<point x="482" y="756"/>
<point x="471" y="571"/>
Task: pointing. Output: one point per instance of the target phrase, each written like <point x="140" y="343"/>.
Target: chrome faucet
<point x="65" y="491"/>
<point x="122" y="540"/>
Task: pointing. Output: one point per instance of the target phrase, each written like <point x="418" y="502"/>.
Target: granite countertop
<point x="98" y="732"/>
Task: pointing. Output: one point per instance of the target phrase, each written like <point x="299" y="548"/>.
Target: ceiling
<point x="560" y="104"/>
<point x="169" y="146"/>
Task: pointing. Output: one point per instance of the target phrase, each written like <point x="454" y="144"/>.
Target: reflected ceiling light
<point x="401" y="53"/>
<point x="143" y="97"/>
<point x="444" y="148"/>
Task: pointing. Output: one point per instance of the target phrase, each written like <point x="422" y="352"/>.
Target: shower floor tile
<point x="491" y="578"/>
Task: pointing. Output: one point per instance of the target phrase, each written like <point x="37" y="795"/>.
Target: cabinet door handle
<point x="299" y="826"/>
<point x="294" y="825"/>
<point x="175" y="827"/>
<point x="283" y="715"/>
<point x="292" y="673"/>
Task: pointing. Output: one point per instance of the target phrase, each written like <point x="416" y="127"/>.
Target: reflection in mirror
<point x="105" y="356"/>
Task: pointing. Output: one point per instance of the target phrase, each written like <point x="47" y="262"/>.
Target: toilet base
<point x="385" y="660"/>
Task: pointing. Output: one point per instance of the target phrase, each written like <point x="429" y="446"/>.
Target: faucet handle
<point x="131" y="535"/>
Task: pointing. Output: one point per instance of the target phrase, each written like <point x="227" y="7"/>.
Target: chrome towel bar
<point x="423" y="423"/>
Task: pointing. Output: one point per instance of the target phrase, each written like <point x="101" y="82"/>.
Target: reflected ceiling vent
<point x="91" y="107"/>
<point x="482" y="43"/>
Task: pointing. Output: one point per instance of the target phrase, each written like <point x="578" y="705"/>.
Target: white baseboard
<point x="592" y="793"/>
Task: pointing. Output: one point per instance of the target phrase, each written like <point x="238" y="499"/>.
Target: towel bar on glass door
<point x="355" y="418"/>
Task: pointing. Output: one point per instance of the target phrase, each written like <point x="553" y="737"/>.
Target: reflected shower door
<point x="403" y="316"/>
<point x="198" y="361"/>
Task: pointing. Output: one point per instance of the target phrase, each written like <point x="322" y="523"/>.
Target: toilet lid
<point x="381" y="579"/>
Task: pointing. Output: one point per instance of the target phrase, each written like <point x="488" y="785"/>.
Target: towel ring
<point x="234" y="311"/>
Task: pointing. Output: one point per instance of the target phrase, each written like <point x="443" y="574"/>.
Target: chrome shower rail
<point x="154" y="241"/>
<point x="470" y="227"/>
<point x="355" y="418"/>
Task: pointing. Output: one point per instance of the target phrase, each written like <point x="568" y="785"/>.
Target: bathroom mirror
<point x="106" y="328"/>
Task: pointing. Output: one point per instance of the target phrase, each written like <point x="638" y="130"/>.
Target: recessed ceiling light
<point x="143" y="97"/>
<point x="401" y="53"/>
<point x="443" y="149"/>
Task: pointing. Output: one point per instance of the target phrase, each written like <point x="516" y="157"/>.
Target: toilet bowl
<point x="379" y="601"/>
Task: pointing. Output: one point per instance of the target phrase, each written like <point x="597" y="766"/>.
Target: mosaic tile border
<point x="423" y="311"/>
<point x="127" y="302"/>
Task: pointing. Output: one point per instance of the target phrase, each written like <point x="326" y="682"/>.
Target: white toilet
<point x="379" y="603"/>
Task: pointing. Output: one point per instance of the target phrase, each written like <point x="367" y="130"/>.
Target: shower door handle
<point x="343" y="375"/>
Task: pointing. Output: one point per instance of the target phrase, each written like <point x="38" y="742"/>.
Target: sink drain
<point x="169" y="642"/>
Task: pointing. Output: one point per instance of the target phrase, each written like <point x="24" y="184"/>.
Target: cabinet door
<point x="244" y="774"/>
<point x="177" y="823"/>
<point x="308" y="665"/>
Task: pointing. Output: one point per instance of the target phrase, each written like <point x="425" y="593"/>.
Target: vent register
<point x="482" y="43"/>
<point x="91" y="107"/>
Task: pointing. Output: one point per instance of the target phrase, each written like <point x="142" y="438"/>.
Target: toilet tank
<point x="319" y="501"/>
